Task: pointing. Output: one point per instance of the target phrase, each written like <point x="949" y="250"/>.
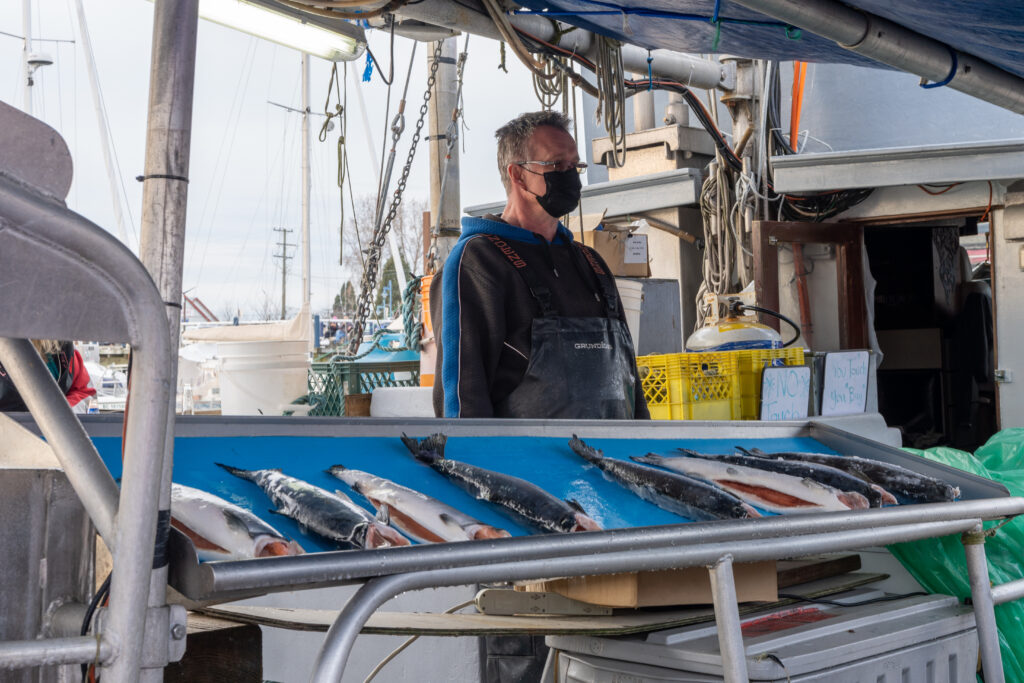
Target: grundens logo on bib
<point x="582" y="346"/>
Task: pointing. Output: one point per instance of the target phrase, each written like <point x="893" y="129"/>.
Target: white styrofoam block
<point x="402" y="402"/>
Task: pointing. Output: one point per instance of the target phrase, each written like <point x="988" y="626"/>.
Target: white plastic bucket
<point x="261" y="377"/>
<point x="632" y="294"/>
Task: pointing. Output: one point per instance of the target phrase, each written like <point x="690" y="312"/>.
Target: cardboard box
<point x="755" y="582"/>
<point x="624" y="252"/>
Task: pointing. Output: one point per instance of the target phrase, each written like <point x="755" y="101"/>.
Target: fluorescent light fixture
<point x="340" y="43"/>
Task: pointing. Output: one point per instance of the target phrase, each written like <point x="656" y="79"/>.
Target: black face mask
<point x="563" y="192"/>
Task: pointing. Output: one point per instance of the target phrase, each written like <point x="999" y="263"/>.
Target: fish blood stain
<point x="769" y="495"/>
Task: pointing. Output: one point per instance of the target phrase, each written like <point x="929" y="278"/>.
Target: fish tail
<point x="429" y="450"/>
<point x="588" y="453"/>
<point x="243" y="474"/>
<point x="649" y="459"/>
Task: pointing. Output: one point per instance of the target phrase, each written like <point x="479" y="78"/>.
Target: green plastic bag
<point x="938" y="564"/>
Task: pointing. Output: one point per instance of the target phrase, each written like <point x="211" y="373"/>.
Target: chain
<point x="452" y="137"/>
<point x="369" y="283"/>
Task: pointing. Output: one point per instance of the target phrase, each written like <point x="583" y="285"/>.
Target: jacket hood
<point x="484" y="226"/>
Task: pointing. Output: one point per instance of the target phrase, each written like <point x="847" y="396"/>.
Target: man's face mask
<point x="563" y="192"/>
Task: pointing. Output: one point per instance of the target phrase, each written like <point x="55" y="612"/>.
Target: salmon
<point x="676" y="493"/>
<point x="329" y="515"/>
<point x="220" y="530"/>
<point x="417" y="515"/>
<point x="917" y="488"/>
<point x="521" y="499"/>
<point x="767" y="490"/>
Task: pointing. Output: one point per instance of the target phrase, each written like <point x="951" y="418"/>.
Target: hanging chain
<point x="452" y="138"/>
<point x="342" y="116"/>
<point x="369" y="283"/>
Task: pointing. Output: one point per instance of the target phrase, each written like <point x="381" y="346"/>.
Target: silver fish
<point x="767" y="490"/>
<point x="419" y="516"/>
<point x="335" y="517"/>
<point x="674" y="492"/>
<point x="844" y="481"/>
<point x="901" y="481"/>
<point x="220" y="530"/>
<point x="527" y="502"/>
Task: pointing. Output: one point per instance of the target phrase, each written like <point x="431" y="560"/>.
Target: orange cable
<point x="799" y="76"/>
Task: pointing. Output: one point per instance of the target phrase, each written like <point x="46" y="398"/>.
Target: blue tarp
<point x="993" y="31"/>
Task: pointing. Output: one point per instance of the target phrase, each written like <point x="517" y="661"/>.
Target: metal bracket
<point x="507" y="602"/>
<point x="166" y="630"/>
<point x="1003" y="376"/>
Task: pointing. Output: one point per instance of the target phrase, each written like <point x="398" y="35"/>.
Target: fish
<point x="417" y="515"/>
<point x="332" y="516"/>
<point x="837" y="478"/>
<point x="521" y="499"/>
<point x="676" y="493"/>
<point x="767" y="490"/>
<point x="220" y="530"/>
<point x="917" y="488"/>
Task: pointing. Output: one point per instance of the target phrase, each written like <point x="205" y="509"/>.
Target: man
<point x="530" y="321"/>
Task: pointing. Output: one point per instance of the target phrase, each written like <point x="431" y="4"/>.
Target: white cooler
<point x="911" y="640"/>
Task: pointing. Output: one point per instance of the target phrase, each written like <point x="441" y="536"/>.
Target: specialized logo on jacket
<point x="513" y="256"/>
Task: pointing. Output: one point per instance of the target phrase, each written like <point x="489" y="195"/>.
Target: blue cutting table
<point x="545" y="461"/>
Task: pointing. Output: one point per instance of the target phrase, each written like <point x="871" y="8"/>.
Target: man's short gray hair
<point x="514" y="136"/>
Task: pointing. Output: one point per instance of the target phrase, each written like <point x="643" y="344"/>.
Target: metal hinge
<point x="1003" y="376"/>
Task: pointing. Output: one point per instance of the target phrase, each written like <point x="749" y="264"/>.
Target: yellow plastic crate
<point x="723" y="385"/>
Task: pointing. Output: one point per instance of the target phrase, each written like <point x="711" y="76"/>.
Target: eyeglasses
<point x="560" y="166"/>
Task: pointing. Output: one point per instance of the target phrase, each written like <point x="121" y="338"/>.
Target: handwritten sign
<point x="845" y="385"/>
<point x="636" y="249"/>
<point x="785" y="393"/>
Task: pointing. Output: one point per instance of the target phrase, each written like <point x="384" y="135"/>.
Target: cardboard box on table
<point x="755" y="582"/>
<point x="623" y="250"/>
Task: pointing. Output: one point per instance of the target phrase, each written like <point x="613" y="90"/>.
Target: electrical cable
<point x="837" y="603"/>
<point x="740" y="307"/>
<point x="398" y="650"/>
<point x="90" y="610"/>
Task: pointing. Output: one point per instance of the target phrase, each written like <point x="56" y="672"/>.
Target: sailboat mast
<point x="26" y="29"/>
<point x="305" y="181"/>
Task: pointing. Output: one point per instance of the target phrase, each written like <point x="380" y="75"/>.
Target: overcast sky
<point x="245" y="163"/>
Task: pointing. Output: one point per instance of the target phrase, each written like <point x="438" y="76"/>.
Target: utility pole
<point x="305" y="184"/>
<point x="284" y="266"/>
<point x="446" y="210"/>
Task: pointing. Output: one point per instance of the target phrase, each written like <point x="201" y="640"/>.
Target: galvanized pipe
<point x="335" y="568"/>
<point x="694" y="71"/>
<point x="77" y="455"/>
<point x="20" y="654"/>
<point x="1008" y="592"/>
<point x="727" y="619"/>
<point x="333" y="657"/>
<point x="899" y="47"/>
<point x="981" y="598"/>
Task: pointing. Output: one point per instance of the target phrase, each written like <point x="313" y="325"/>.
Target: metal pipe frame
<point x="688" y="70"/>
<point x="981" y="598"/>
<point x="1008" y="592"/>
<point x="40" y="239"/>
<point x="899" y="47"/>
<point x="333" y="657"/>
<point x="65" y="434"/>
<point x="19" y="654"/>
<point x="225" y="580"/>
<point x="727" y="618"/>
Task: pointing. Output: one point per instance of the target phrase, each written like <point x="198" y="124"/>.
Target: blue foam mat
<point x="545" y="461"/>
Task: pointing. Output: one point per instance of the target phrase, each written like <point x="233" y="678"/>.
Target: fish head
<point x="750" y="510"/>
<point x="486" y="531"/>
<point x="380" y="536"/>
<point x="853" y="500"/>
<point x="585" y="523"/>
<point x="269" y="546"/>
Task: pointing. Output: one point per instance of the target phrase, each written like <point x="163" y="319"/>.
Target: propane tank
<point x="734" y="332"/>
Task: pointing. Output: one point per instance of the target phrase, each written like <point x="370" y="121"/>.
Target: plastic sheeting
<point x="939" y="564"/>
<point x="993" y="31"/>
